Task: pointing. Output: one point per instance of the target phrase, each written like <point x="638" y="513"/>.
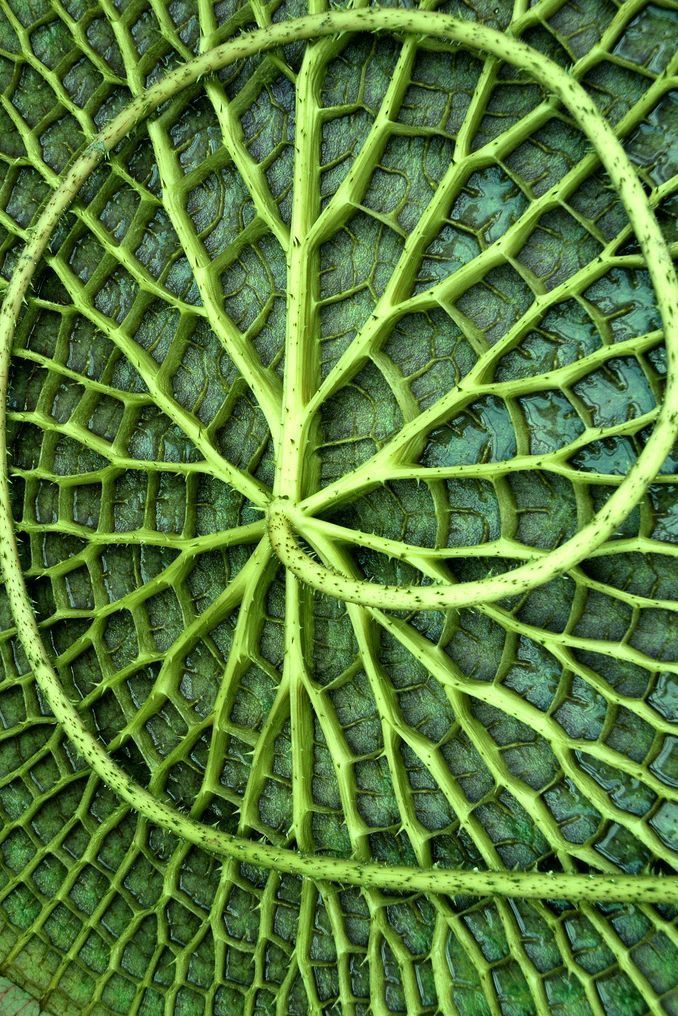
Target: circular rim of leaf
<point x="527" y="884"/>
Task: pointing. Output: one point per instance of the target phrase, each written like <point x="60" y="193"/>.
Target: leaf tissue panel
<point x="338" y="518"/>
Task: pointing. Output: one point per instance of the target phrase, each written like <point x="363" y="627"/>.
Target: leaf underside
<point x="453" y="223"/>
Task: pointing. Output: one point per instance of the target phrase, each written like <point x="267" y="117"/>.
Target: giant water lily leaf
<point x="338" y="526"/>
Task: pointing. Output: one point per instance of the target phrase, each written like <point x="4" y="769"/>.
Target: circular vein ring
<point x="325" y="868"/>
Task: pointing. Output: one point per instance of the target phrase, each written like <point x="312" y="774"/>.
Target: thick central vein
<point x="302" y="281"/>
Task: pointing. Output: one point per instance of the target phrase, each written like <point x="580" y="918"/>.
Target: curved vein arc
<point x="400" y="878"/>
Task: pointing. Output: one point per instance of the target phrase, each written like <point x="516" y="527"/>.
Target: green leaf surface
<point x="338" y="529"/>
